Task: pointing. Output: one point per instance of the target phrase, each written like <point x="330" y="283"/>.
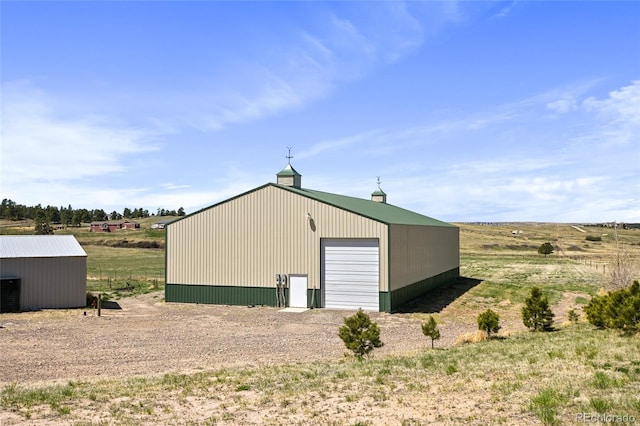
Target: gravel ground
<point x="148" y="336"/>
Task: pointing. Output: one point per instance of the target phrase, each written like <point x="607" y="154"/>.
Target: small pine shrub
<point x="593" y="238"/>
<point x="489" y="321"/>
<point x="573" y="316"/>
<point x="618" y="310"/>
<point x="359" y="334"/>
<point x="430" y="329"/>
<point x="546" y="249"/>
<point x="536" y="314"/>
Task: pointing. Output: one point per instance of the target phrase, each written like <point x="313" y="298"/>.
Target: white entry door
<point x="297" y="291"/>
<point x="350" y="274"/>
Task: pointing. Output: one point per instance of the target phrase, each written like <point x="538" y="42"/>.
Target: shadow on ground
<point x="109" y="304"/>
<point x="436" y="300"/>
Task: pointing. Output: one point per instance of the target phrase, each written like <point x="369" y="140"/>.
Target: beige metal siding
<point x="248" y="239"/>
<point x="419" y="252"/>
<point x="49" y="282"/>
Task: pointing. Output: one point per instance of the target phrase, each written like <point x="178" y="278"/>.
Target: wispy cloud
<point x="534" y="167"/>
<point x="563" y="105"/>
<point x="52" y="140"/>
<point x="343" y="47"/>
<point x="172" y="186"/>
<point x="333" y="145"/>
<point x="620" y="114"/>
<point x="505" y="11"/>
<point x="41" y="145"/>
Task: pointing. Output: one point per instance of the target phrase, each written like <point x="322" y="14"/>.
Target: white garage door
<point x="350" y="274"/>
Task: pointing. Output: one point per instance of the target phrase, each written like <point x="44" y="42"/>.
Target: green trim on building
<point x="316" y="301"/>
<point x="221" y="295"/>
<point x="245" y="296"/>
<point x="406" y="294"/>
<point x="384" y="301"/>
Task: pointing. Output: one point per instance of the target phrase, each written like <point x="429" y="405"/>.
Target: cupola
<point x="289" y="176"/>
<point x="379" y="195"/>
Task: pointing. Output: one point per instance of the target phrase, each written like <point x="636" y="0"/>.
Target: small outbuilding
<point x="161" y="224"/>
<point x="41" y="272"/>
<point x="112" y="226"/>
<point x="284" y="245"/>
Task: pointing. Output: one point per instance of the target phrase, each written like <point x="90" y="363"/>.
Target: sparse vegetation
<point x="573" y="316"/>
<point x="545" y="405"/>
<point x="599" y="376"/>
<point x="621" y="269"/>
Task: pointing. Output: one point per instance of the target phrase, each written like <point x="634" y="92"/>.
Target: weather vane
<point x="379" y="182"/>
<point x="289" y="156"/>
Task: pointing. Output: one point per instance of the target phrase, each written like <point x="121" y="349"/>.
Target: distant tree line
<point x="68" y="216"/>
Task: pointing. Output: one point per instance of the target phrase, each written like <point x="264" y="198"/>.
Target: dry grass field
<point x="161" y="363"/>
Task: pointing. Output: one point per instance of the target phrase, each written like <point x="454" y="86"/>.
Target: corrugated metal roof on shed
<point x="16" y="246"/>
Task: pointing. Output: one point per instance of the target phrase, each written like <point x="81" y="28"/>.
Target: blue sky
<point x="468" y="111"/>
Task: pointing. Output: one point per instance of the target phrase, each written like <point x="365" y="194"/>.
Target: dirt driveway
<point x="148" y="336"/>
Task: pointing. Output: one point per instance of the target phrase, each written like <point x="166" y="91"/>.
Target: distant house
<point x="161" y="224"/>
<point x="111" y="226"/>
<point x="41" y="272"/>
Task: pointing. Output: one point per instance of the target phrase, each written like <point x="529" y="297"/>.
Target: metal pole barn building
<point x="41" y="272"/>
<point x="284" y="245"/>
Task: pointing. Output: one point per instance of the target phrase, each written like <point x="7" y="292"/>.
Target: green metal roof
<point x="381" y="212"/>
<point x="288" y="171"/>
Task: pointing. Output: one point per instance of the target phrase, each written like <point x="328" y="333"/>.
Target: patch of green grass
<point x="451" y="369"/>
<point x="587" y="351"/>
<point x="545" y="405"/>
<point x="110" y="268"/>
<point x="602" y="380"/>
<point x="582" y="300"/>
<point x="556" y="354"/>
<point x="511" y="277"/>
<point x="18" y="398"/>
<point x="599" y="404"/>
